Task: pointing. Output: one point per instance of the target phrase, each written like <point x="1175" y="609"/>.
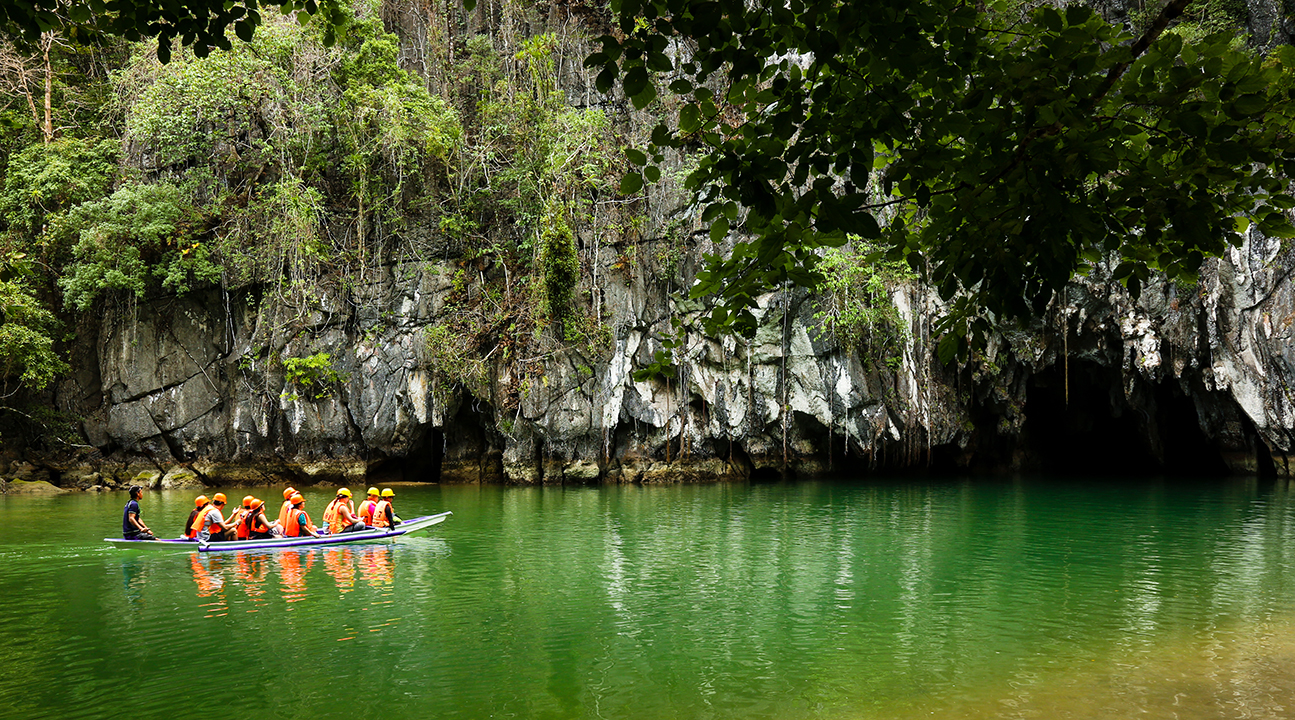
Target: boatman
<point x="368" y="506"/>
<point x="298" y="523"/>
<point x="287" y="506"/>
<point x="339" y="516"/>
<point x="211" y="525"/>
<point x="384" y="516"/>
<point x="199" y="504"/>
<point x="132" y="527"/>
<point x="256" y="523"/>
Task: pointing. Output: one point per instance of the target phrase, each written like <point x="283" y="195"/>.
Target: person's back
<point x="256" y="524"/>
<point x="287" y="507"/>
<point x="368" y="506"/>
<point x="190" y="531"/>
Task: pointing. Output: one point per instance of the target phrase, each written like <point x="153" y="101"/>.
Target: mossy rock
<point x="32" y="487"/>
<point x="180" y="479"/>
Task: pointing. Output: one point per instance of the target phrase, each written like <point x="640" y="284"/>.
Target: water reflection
<point x="296" y="570"/>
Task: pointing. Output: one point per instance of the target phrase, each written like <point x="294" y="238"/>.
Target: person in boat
<point x="132" y="527"/>
<point x="238" y="516"/>
<point x="340" y="517"/>
<point x="256" y="524"/>
<point x="211" y="524"/>
<point x="200" y="503"/>
<point x="384" y="515"/>
<point x="286" y="507"/>
<point x="368" y="506"/>
<point x="298" y="523"/>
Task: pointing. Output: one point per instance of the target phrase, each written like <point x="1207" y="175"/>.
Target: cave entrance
<point x="1098" y="432"/>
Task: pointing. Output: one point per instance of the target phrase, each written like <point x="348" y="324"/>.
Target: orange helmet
<point x="218" y="498"/>
<point x="247" y="501"/>
<point x="256" y="503"/>
<point x="200" y="501"/>
<point x="296" y="499"/>
<point x="287" y="494"/>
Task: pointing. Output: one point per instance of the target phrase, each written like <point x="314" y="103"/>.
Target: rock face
<point x="1182" y="378"/>
<point x="196" y="389"/>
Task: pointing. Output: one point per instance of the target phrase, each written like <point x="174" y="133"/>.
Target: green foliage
<point x="200" y="23"/>
<point x="138" y="234"/>
<point x="998" y="161"/>
<point x="42" y="181"/>
<point x="27" y="357"/>
<point x="561" y="264"/>
<point x="855" y="307"/>
<point x="313" y="376"/>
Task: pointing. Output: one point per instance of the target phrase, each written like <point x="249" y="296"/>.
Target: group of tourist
<point x="207" y="523"/>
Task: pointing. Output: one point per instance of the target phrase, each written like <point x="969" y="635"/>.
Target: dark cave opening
<point x="1092" y="429"/>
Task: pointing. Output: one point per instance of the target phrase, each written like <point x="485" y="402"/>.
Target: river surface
<point x="976" y="599"/>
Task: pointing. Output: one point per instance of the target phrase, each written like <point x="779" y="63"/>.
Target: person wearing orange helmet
<point x="210" y="525"/>
<point x="199" y="504"/>
<point x="298" y="523"/>
<point x="237" y="517"/>
<point x="286" y="507"/>
<point x="256" y="523"/>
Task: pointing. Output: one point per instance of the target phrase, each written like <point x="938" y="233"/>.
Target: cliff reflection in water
<point x="295" y="573"/>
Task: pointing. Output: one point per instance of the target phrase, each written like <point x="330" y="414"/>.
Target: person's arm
<point x="303" y="522"/>
<point x="139" y="526"/>
<point x="391" y="516"/>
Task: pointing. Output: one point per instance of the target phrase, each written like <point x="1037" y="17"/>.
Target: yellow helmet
<point x="373" y="491"/>
<point x="343" y="493"/>
<point x="386" y="492"/>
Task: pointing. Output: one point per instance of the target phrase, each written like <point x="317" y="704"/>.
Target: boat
<point x="186" y="545"/>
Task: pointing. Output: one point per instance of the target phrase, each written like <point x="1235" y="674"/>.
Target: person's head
<point x="297" y="500"/>
<point x="287" y="494"/>
<point x="387" y="493"/>
<point x="200" y="501"/>
<point x="136" y="492"/>
<point x="344" y="493"/>
<point x="373" y="493"/>
<point x="218" y="500"/>
<point x="247" y="501"/>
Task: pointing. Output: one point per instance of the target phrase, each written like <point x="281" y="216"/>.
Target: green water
<point x="811" y="600"/>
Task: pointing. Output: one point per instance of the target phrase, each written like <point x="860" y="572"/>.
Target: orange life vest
<point x="255" y="522"/>
<point x="380" y="514"/>
<point x="200" y="520"/>
<point x="189" y="532"/>
<point x="334" y="518"/>
<point x="238" y="517"/>
<point x="366" y="511"/>
<point x="283" y="513"/>
<point x="292" y="528"/>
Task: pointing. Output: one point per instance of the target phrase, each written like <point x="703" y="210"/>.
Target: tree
<point x="200" y="23"/>
<point x="998" y="155"/>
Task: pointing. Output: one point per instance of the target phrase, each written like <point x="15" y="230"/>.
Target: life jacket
<point x="200" y="520"/>
<point x="292" y="528"/>
<point x="189" y="532"/>
<point x="240" y="516"/>
<point x="366" y="511"/>
<point x="283" y="513"/>
<point x="254" y="523"/>
<point x="334" y="518"/>
<point x="380" y="514"/>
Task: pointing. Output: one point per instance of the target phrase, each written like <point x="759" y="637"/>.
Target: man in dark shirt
<point x="132" y="527"/>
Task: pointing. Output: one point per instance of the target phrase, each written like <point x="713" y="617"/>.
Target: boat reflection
<point x="252" y="572"/>
<point x="208" y="575"/>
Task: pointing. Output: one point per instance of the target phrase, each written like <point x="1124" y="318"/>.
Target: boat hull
<point x="182" y="545"/>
